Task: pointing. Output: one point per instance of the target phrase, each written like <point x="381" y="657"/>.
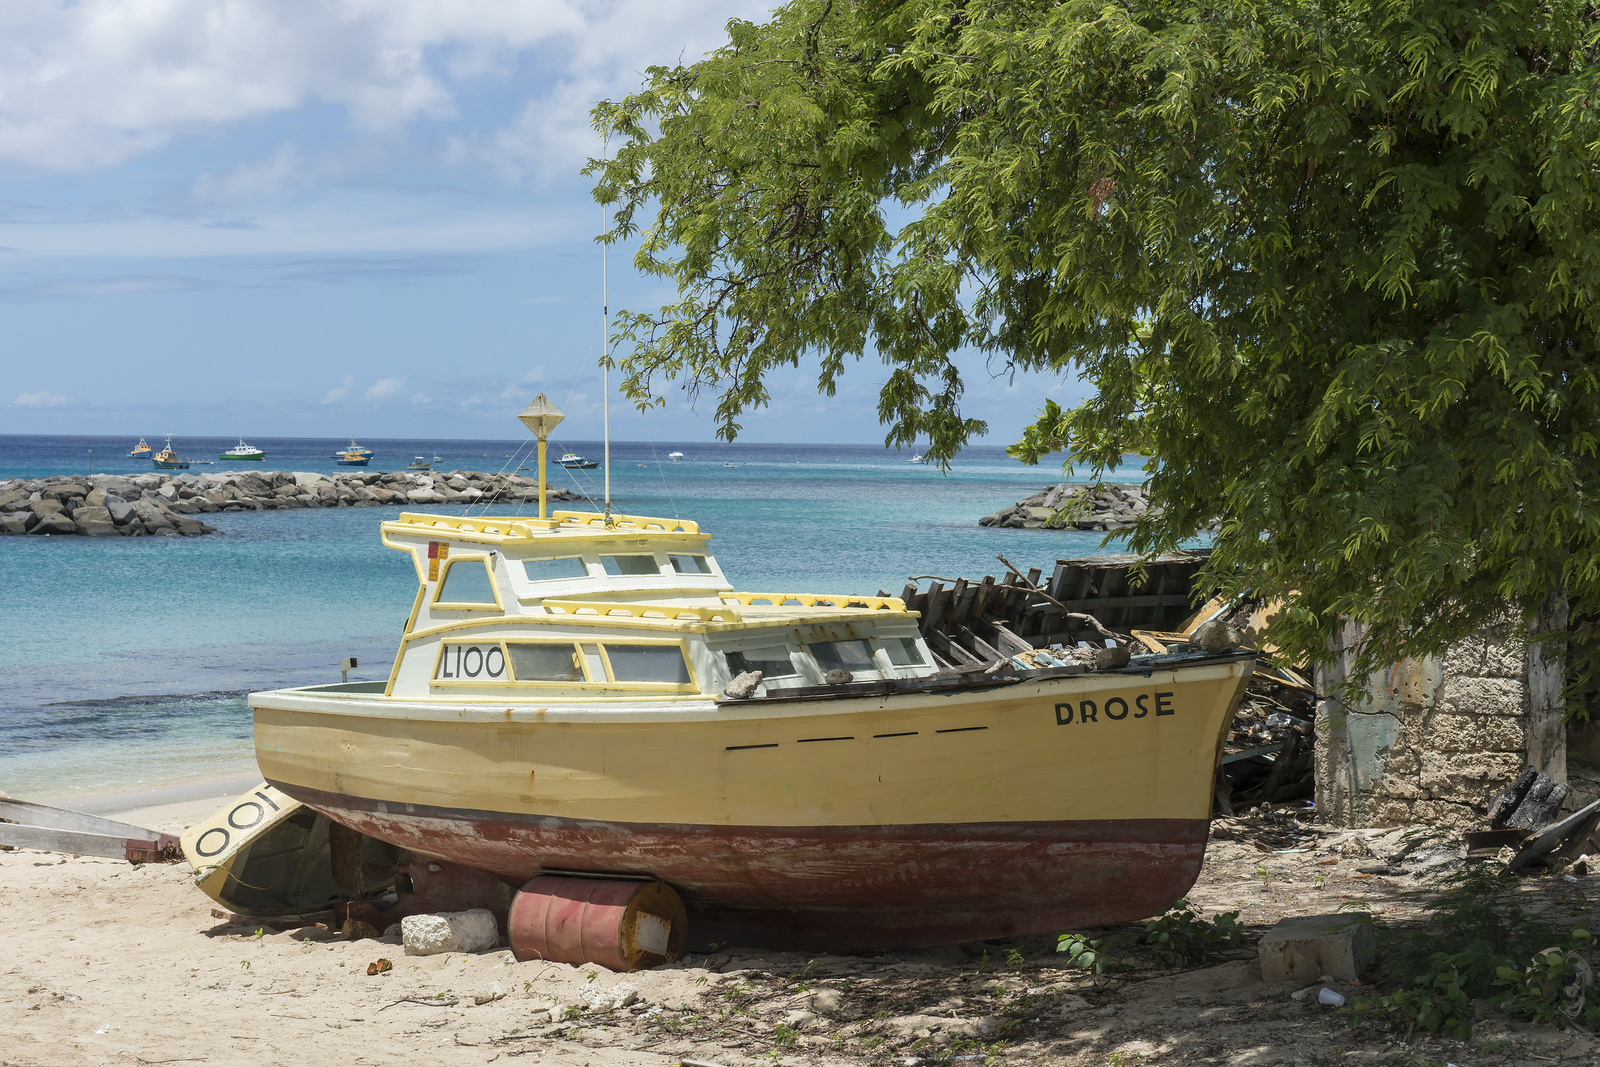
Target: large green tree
<point x="1332" y="265"/>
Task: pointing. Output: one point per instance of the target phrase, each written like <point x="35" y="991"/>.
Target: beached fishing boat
<point x="167" y="459"/>
<point x="243" y="451"/>
<point x="574" y="696"/>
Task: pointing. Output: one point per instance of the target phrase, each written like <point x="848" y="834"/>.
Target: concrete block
<point x="1466" y="695"/>
<point x="1304" y="948"/>
<point x="457" y="931"/>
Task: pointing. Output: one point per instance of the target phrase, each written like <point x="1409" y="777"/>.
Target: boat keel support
<point x="436" y="886"/>
<point x="623" y="925"/>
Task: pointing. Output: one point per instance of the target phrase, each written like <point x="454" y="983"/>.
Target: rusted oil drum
<point x="623" y="925"/>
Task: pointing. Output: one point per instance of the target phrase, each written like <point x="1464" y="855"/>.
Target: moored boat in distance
<point x="419" y="463"/>
<point x="354" y="449"/>
<point x="354" y="458"/>
<point x="573" y="461"/>
<point x="586" y="697"/>
<point x="242" y="451"/>
<point x="141" y="450"/>
<point x="167" y="459"/>
<point x="674" y="455"/>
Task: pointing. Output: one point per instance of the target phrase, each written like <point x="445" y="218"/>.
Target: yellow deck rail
<point x="654" y="612"/>
<point x="812" y="600"/>
<point x="639" y="523"/>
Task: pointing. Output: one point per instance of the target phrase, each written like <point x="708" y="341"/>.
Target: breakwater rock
<point x="1106" y="506"/>
<point x="165" y="504"/>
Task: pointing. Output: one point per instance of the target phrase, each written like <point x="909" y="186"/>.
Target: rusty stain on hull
<point x="841" y="887"/>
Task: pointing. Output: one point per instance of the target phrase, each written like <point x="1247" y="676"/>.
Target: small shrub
<point x="1179" y="935"/>
<point x="1084" y="953"/>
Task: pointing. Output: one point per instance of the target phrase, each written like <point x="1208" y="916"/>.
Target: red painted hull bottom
<point x="828" y="888"/>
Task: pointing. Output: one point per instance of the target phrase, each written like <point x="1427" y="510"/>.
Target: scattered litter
<point x="379" y="966"/>
<point x="1330" y="998"/>
<point x="493" y="993"/>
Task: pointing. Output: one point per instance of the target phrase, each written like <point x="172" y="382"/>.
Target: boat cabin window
<point x="467" y="584"/>
<point x="544" y="663"/>
<point x="690" y="564"/>
<point x="843" y="656"/>
<point x="648" y="663"/>
<point x="549" y="570"/>
<point x="471" y="662"/>
<point x="771" y="662"/>
<point x="903" y="651"/>
<point x="630" y="565"/>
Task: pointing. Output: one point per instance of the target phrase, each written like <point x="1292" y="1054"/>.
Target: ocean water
<point x="126" y="661"/>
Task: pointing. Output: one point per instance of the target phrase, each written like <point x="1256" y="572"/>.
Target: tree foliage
<point x="1331" y="265"/>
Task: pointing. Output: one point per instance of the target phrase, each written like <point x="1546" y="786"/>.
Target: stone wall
<point x="1432" y="739"/>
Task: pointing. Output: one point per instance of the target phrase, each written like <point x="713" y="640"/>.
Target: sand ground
<point x="105" y="963"/>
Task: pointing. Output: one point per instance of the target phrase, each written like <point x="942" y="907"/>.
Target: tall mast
<point x="605" y="350"/>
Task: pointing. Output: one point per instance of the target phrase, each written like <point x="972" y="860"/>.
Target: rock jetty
<point x="1105" y="506"/>
<point x="165" y="505"/>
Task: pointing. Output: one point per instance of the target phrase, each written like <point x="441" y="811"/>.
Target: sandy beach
<point x="106" y="963"/>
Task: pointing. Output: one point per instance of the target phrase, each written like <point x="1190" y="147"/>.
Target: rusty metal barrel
<point x="623" y="925"/>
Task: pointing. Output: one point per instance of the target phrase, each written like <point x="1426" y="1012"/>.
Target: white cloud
<point x="423" y="400"/>
<point x="41" y="399"/>
<point x="340" y="391"/>
<point x="89" y="85"/>
<point x="384" y="388"/>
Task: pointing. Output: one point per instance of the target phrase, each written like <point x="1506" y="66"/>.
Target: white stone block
<point x="457" y="931"/>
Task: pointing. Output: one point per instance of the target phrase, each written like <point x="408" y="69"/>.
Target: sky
<point x="328" y="217"/>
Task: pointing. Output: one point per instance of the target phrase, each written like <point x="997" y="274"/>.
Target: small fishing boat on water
<point x="674" y="455"/>
<point x="141" y="450"/>
<point x="419" y="463"/>
<point x="573" y="461"/>
<point x="354" y="449"/>
<point x="583" y="705"/>
<point x="354" y="458"/>
<point x="167" y="459"/>
<point x="242" y="451"/>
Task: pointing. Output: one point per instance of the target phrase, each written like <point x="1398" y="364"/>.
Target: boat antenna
<point x="605" y="350"/>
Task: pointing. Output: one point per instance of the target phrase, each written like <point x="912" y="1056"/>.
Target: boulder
<point x="458" y="931"/>
<point x="153" y="517"/>
<point x="17" y="522"/>
<point x="56" y="522"/>
<point x="305" y="478"/>
<point x="96" y="498"/>
<point x="121" y="511"/>
<point x="94" y="522"/>
<point x="46" y="508"/>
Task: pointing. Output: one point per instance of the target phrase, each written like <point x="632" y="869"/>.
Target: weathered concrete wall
<point x="1432" y="739"/>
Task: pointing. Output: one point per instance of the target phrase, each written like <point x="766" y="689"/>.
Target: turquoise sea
<point x="125" y="661"/>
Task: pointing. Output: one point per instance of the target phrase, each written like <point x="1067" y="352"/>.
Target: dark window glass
<point x="545" y="663"/>
<point x="690" y="564"/>
<point x="631" y="564"/>
<point x="903" y="651"/>
<point x="771" y="662"/>
<point x="467" y="582"/>
<point x="546" y="570"/>
<point x="843" y="656"/>
<point x="648" y="663"/>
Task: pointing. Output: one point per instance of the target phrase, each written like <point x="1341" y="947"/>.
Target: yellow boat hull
<point x="905" y="818"/>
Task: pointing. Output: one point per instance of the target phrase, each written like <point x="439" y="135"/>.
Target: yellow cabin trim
<point x="811" y="600"/>
<point x="655" y="613"/>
